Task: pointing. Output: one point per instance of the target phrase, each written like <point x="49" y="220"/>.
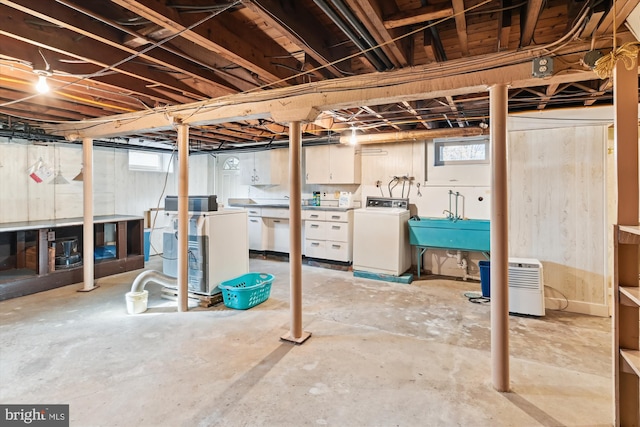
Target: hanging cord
<point x="628" y="53"/>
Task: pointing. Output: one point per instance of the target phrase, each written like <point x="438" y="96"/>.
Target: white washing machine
<point x="381" y="236"/>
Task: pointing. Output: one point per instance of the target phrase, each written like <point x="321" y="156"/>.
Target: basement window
<point x="150" y="161"/>
<point x="467" y="151"/>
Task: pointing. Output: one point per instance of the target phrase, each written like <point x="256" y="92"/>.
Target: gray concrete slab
<point x="381" y="354"/>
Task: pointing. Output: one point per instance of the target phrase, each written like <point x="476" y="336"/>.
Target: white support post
<point x="296" y="334"/>
<point x="183" y="217"/>
<point x="87" y="221"/>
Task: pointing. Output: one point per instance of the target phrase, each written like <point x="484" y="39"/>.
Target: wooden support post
<point x="296" y="334"/>
<point x="87" y="221"/>
<point x="625" y="319"/>
<point x="498" y="95"/>
<point x="183" y="218"/>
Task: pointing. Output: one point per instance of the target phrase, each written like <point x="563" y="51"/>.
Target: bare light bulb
<point x="353" y="140"/>
<point x="42" y="86"/>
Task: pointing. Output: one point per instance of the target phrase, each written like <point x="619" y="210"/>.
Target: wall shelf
<point x="24" y="252"/>
<point x="626" y="317"/>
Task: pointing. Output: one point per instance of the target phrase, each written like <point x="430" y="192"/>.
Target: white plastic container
<point x="345" y="200"/>
<point x="137" y="301"/>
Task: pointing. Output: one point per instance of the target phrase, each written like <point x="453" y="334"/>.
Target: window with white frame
<point x="465" y="151"/>
<point x="232" y="163"/>
<point x="150" y="161"/>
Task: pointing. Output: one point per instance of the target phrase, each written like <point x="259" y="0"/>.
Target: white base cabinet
<point x="328" y="235"/>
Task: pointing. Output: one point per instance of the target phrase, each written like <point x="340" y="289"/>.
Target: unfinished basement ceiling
<point x="107" y="58"/>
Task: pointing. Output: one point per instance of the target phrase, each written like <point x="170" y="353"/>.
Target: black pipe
<point x="362" y="31"/>
<point x="371" y="56"/>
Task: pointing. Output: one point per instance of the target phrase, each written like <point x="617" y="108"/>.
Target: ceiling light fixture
<point x="354" y="139"/>
<point x="42" y="86"/>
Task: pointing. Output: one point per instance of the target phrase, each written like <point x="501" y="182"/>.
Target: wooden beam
<point x="534" y="7"/>
<point x="413" y="135"/>
<point x="461" y="26"/>
<point x="407" y="84"/>
<point x="370" y="13"/>
<point x="622" y="10"/>
<point x="238" y="44"/>
<point x="85" y="26"/>
<point x="417" y="16"/>
<point x="16" y="25"/>
<point x="504" y="25"/>
<point x="301" y="29"/>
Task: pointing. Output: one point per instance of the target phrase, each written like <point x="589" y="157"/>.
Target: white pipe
<point x="147" y="276"/>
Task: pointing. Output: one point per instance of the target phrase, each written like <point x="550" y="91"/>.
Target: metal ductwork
<point x="356" y="32"/>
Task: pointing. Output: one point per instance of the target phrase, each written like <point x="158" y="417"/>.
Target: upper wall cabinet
<point x="263" y="167"/>
<point x="332" y="164"/>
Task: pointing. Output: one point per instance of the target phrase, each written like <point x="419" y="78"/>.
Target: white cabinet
<point x="332" y="164"/>
<point x="328" y="234"/>
<point x="277" y="234"/>
<point x="256" y="230"/>
<point x="263" y="167"/>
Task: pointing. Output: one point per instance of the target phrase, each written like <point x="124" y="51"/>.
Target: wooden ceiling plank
<point x="592" y="24"/>
<point x="232" y="45"/>
<point x="534" y="7"/>
<point x="461" y="26"/>
<point x="15" y="26"/>
<point x="417" y="16"/>
<point x="301" y="30"/>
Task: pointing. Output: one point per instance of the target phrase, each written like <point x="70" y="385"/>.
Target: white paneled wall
<point x="557" y="212"/>
<point x="117" y="190"/>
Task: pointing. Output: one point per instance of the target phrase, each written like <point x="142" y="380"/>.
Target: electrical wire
<point x="133" y="56"/>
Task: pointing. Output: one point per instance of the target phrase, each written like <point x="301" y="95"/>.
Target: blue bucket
<point x="485" y="278"/>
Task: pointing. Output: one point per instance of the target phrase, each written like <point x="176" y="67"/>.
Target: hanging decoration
<point x="40" y="171"/>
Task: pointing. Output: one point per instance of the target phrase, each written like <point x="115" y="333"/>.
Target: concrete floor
<point x="381" y="354"/>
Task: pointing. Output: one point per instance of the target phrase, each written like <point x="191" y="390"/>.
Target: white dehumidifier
<point x="526" y="287"/>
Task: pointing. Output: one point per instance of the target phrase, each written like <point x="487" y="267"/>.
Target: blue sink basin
<point x="443" y="233"/>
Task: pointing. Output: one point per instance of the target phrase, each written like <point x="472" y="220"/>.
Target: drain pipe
<point x="152" y="276"/>
<point x="362" y="31"/>
<point x="463" y="264"/>
<point x="375" y="61"/>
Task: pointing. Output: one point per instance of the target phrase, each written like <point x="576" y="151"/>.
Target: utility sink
<point x="445" y="233"/>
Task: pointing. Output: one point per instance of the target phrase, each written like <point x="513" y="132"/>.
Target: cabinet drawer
<point x="313" y="215"/>
<point x="315" y="248"/>
<point x="337" y="216"/>
<point x="337" y="251"/>
<point x="315" y="230"/>
<point x="254" y="212"/>
<point x="275" y="213"/>
<point x="337" y="231"/>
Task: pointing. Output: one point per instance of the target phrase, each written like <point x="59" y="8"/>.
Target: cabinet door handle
<point x="276" y="220"/>
<point x="335" y="227"/>
<point x="335" y="216"/>
<point x="315" y="216"/>
<point x="330" y="175"/>
<point x="315" y="225"/>
<point x="253" y="220"/>
<point x="257" y="178"/>
<point x="307" y="176"/>
<point x="335" y="246"/>
<point x="315" y="244"/>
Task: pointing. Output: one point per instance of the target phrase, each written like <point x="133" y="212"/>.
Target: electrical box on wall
<point x="543" y="66"/>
